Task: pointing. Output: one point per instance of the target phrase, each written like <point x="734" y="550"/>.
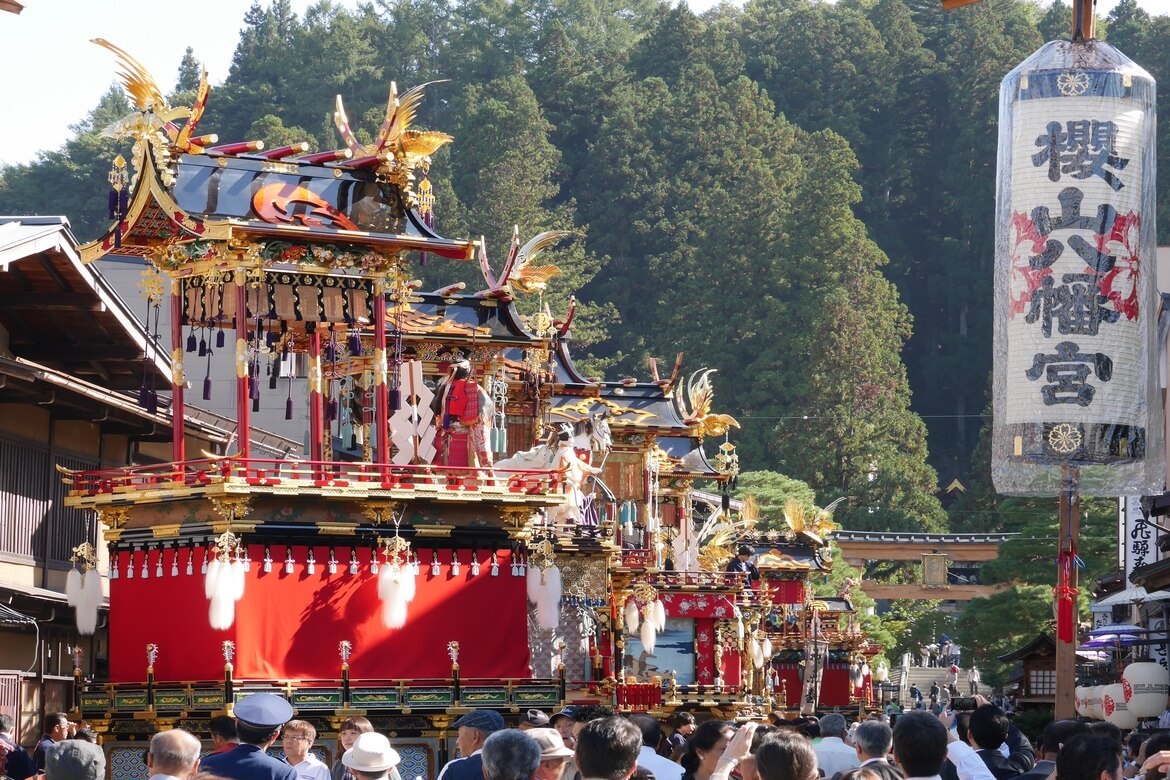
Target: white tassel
<point x="114" y="566"/>
<point x="386" y="575"/>
<point x="190" y="562"/>
<point x="475" y="567"/>
<point x="649" y="636"/>
<point x="211" y="578"/>
<point x="739" y="630"/>
<point x="222" y="612"/>
<point x="766" y="648"/>
<point x="393" y="604"/>
<point x="455" y="563"/>
<point x="533" y="583"/>
<point x="158" y="567"/>
<point x="407" y="583"/>
<point x="72" y="586"/>
<point x="88" y="602"/>
<point x="146" y="564"/>
<point x="659" y="615"/>
<point x="631" y="616"/>
<point x="548" y="599"/>
<point x="756" y="652"/>
<point x="237" y="579"/>
<point x="130" y="566"/>
<point x="175" y="563"/>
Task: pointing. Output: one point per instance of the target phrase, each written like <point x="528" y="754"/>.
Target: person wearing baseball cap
<point x="259" y="718"/>
<point x="371" y="757"/>
<point x="554" y="756"/>
<point x="75" y="759"/>
<point x="474" y="729"/>
<point x="563" y="723"/>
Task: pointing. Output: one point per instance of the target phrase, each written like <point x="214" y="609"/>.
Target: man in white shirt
<point x="298" y="737"/>
<point x="173" y="755"/>
<point x="648" y="758"/>
<point x="923" y="741"/>
<point x="833" y="753"/>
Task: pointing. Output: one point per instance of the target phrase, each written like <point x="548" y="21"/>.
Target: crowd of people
<point x="593" y="743"/>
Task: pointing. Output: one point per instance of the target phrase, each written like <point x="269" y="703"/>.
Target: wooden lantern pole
<point x="1066" y="578"/>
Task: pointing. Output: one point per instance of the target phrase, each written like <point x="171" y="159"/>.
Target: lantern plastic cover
<point x="1076" y="385"/>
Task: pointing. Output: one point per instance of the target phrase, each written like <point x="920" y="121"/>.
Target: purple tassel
<point x="113" y="203"/>
<point x="123" y="202"/>
<point x="288" y="408"/>
<point x="273" y="375"/>
<point x="254" y="388"/>
<point x="151" y="402"/>
<point x="202" y="347"/>
<point x="118" y="236"/>
<point x="395" y="399"/>
<point x="256" y="404"/>
<point x="331" y="410"/>
<point x="355" y="343"/>
<point x="219" y="338"/>
<point x="207" y="388"/>
<point x="191" y="345"/>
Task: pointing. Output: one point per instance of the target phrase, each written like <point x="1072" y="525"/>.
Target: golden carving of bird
<point x="153" y="112"/>
<point x="519" y="274"/>
<point x="695" y="406"/>
<point x="395" y="135"/>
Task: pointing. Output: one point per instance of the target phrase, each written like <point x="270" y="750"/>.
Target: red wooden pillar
<point x="316" y="408"/>
<point x="381" y="388"/>
<point x="243" y="399"/>
<point x="178" y="377"/>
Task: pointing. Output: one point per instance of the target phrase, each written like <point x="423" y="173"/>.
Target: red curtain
<point x="835" y="686"/>
<point x="787" y="591"/>
<point x="789" y="682"/>
<point x="288" y="625"/>
<point x="704" y="651"/>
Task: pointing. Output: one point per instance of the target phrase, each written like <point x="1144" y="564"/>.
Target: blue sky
<point x="53" y="75"/>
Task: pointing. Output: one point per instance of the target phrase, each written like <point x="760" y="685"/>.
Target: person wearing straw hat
<point x="259" y="719"/>
<point x="372" y="758"/>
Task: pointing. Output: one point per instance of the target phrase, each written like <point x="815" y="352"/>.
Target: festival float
<point x="472" y="522"/>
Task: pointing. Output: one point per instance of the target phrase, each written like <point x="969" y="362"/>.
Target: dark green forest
<point x="799" y="194"/>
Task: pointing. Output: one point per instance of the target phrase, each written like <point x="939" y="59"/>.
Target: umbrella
<point x="1111" y="641"/>
<point x="1117" y="628"/>
<point x="1133" y="595"/>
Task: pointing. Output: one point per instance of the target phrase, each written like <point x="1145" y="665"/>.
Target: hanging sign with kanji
<point x="1076" y="377"/>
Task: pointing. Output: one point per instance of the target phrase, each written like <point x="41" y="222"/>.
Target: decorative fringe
<point x="533" y="583"/>
<point x="207" y="388"/>
<point x="548" y="598"/>
<point x="659" y="615"/>
<point x="631" y="616"/>
<point x="756" y="652"/>
<point x="219" y="338"/>
<point x="191" y="343"/>
<point x="649" y="636"/>
<point x="766" y="648"/>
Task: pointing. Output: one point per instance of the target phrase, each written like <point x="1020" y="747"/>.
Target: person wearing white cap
<point x="372" y="758"/>
<point x="554" y="756"/>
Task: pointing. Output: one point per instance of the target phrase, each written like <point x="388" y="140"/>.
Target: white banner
<point x="1139" y="542"/>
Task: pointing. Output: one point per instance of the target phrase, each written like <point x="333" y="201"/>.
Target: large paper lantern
<point x="1080" y="700"/>
<point x="1076" y="371"/>
<point x="1114" y="709"/>
<point x="1147" y="685"/>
